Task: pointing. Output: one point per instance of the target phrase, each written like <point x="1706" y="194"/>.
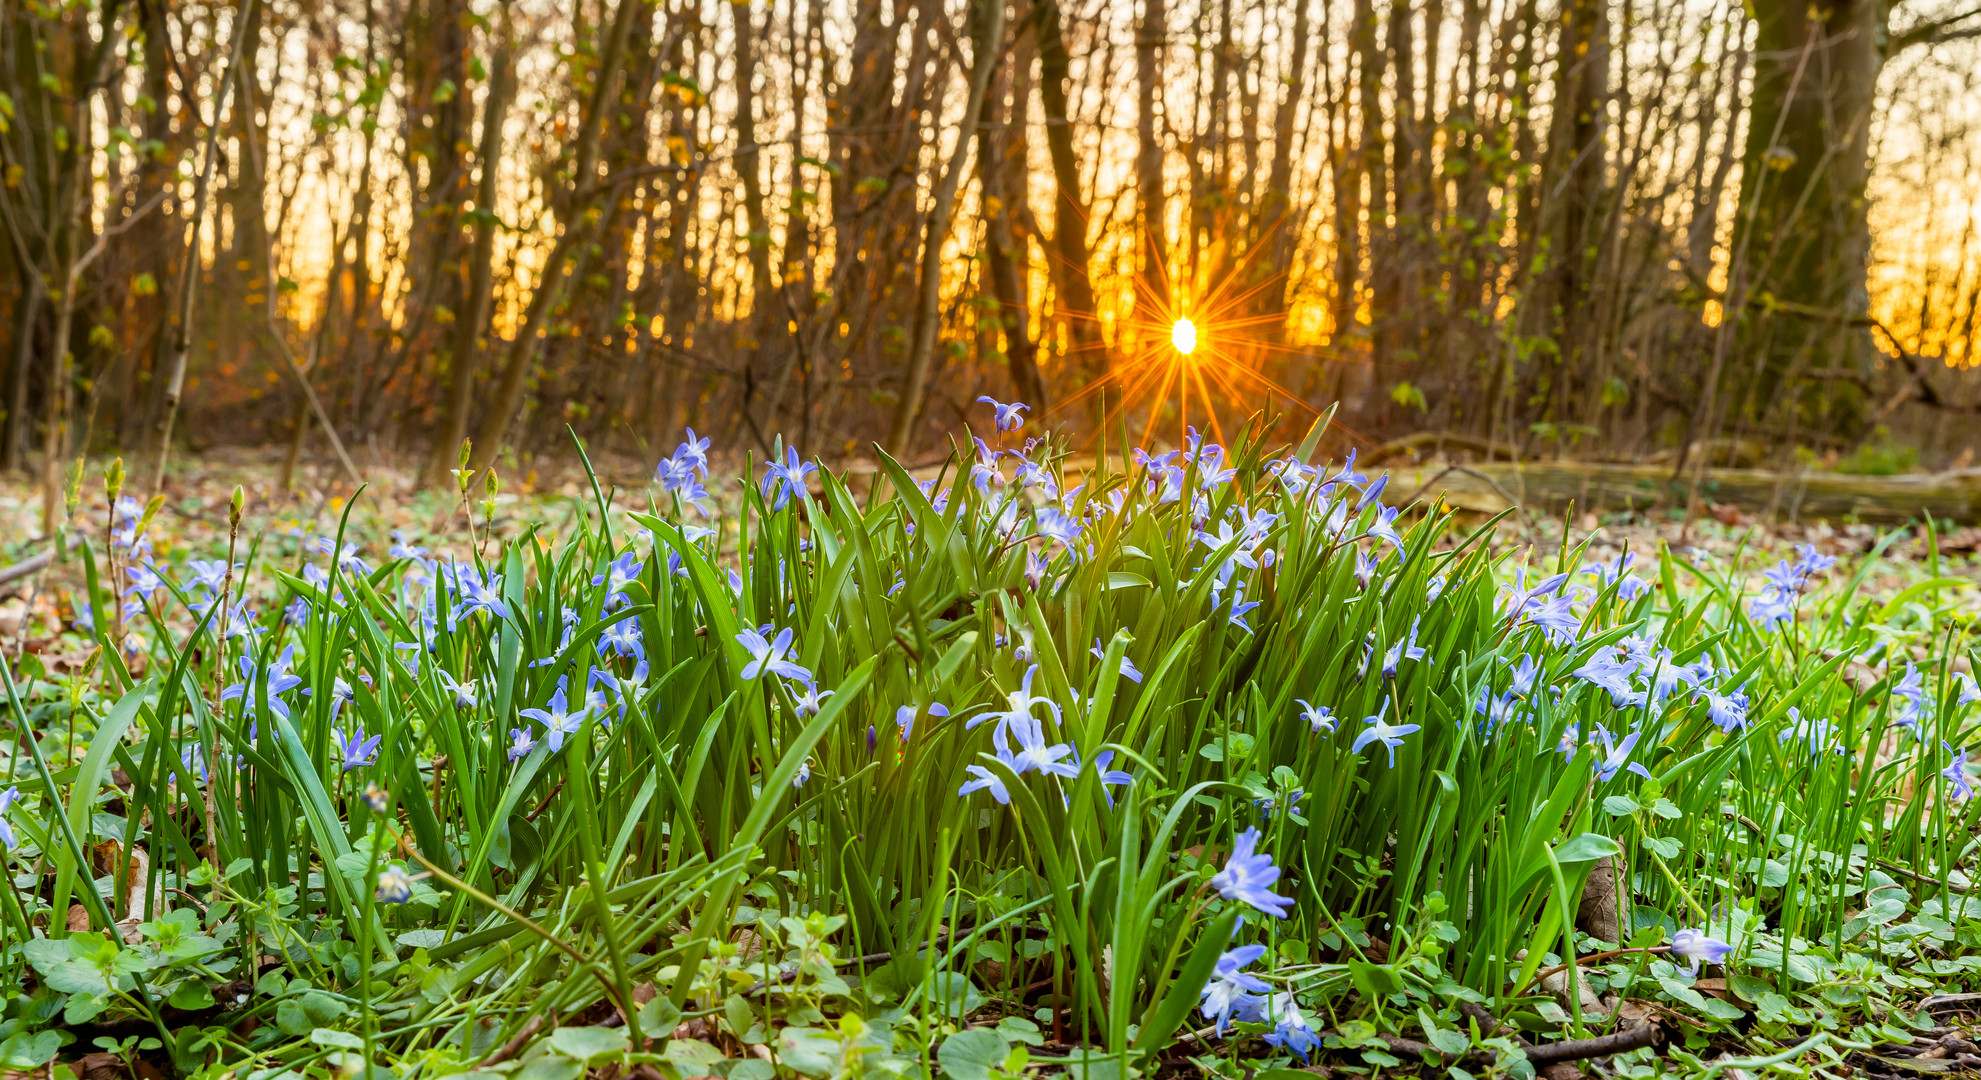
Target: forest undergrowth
<point x="1219" y="764"/>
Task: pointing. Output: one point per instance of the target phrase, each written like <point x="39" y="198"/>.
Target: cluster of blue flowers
<point x="1776" y="605"/>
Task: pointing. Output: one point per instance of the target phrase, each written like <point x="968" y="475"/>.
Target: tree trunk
<point x="1804" y="227"/>
<point x="1075" y="293"/>
<point x="472" y="321"/>
<point x="1149" y="56"/>
<point x="928" y="316"/>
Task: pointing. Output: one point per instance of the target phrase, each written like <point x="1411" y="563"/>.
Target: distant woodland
<point x="373" y="228"/>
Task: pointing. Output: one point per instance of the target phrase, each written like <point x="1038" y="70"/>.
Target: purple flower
<point x="619" y="573"/>
<point x="1290" y="1028"/>
<point x="1402" y="651"/>
<point x="780" y="482"/>
<point x="810" y="701"/>
<point x="1616" y="755"/>
<point x="1230" y="990"/>
<point x="558" y="719"/>
<point x="1695" y="946"/>
<point x="904" y="717"/>
<point x="275" y="679"/>
<point x="770" y="655"/>
<point x="8" y="841"/>
<point x="1319" y="717"/>
<point x="1109" y="777"/>
<point x="1390" y="735"/>
<point x="1056" y="526"/>
<point x="1006" y="416"/>
<point x="1956" y="773"/>
<point x="1556" y="618"/>
<point x="523" y="744"/>
<point x="1728" y="710"/>
<point x="1248" y="877"/>
<point x="1128" y="669"/>
<point x="1019" y="704"/>
<point x="1606" y="671"/>
<point x="358" y="751"/>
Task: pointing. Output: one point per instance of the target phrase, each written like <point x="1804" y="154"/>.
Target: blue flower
<point x="1230" y="990"/>
<point x="1390" y="735"/>
<point x="781" y="481"/>
<point x="1319" y="717"/>
<point x="1956" y="773"/>
<point x="8" y="841"/>
<point x="1496" y="710"/>
<point x="1616" y="755"/>
<point x="1365" y="569"/>
<point x="1694" y="945"/>
<point x="693" y="452"/>
<point x="770" y="655"/>
<point x="1248" y="877"/>
<point x="1556" y="618"/>
<point x="1034" y="755"/>
<point x="1056" y="526"/>
<point x="1019" y="704"/>
<point x="1728" y="710"/>
<point x="394" y="887"/>
<point x="810" y="700"/>
<point x="400" y="549"/>
<point x="1109" y="777"/>
<point x="474" y="594"/>
<point x="619" y="573"/>
<point x="465" y="693"/>
<point x="346" y="555"/>
<point x="622" y="637"/>
<point x="358" y="751"/>
<point x="1290" y="1028"/>
<point x="1609" y="673"/>
<point x="1523" y="676"/>
<point x="987" y="780"/>
<point x="523" y="742"/>
<point x="558" y="718"/>
<point x="275" y="679"/>
<point x="1348" y="475"/>
<point x="1384" y="527"/>
<point x="1128" y="669"/>
<point x="209" y="575"/>
<point x="1006" y="416"/>
<point x="904" y="717"/>
<point x="1520" y="599"/>
<point x="1402" y="651"/>
<point x="1570" y="742"/>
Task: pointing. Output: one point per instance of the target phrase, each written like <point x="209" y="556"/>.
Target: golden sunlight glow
<point x="1184" y="336"/>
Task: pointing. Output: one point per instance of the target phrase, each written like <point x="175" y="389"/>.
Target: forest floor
<point x="395" y="504"/>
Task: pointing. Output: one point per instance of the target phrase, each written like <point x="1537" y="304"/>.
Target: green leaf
<point x="1376" y="981"/>
<point x="191" y="995"/>
<point x="586" y="1043"/>
<point x="971" y="1054"/>
<point x="23" y="1051"/>
<point x="333" y="1037"/>
<point x="290" y="1017"/>
<point x="1587" y="847"/>
<point x="551" y="1067"/>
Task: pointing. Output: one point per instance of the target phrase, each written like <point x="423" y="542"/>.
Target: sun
<point x="1184" y="336"/>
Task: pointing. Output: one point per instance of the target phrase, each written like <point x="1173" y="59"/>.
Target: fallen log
<point x="1806" y="496"/>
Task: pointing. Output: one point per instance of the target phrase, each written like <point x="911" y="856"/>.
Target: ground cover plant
<point x="1221" y="762"/>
